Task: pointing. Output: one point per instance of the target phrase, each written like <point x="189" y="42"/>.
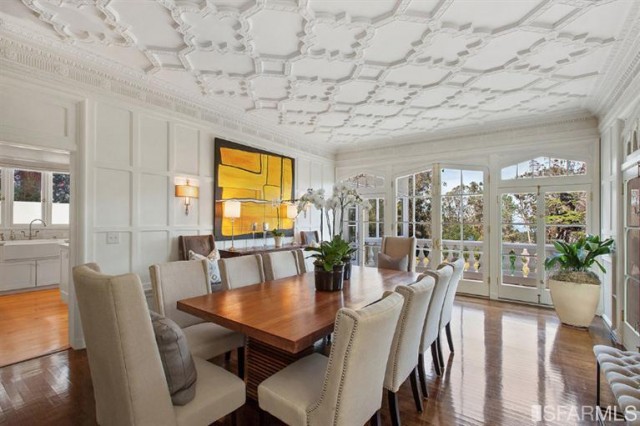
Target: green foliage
<point x="277" y="233"/>
<point x="579" y="255"/>
<point x="61" y="188"/>
<point x="331" y="253"/>
<point x="27" y="186"/>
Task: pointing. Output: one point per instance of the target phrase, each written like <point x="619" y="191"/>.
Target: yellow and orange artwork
<point x="260" y="180"/>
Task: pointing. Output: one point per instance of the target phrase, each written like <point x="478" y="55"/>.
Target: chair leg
<point x="227" y="356"/>
<point x="436" y="361"/>
<point x="422" y="375"/>
<point x="265" y="418"/>
<point x="241" y="362"/>
<point x="447" y="329"/>
<point x="440" y="356"/>
<point x="234" y="418"/>
<point x="598" y="385"/>
<point x="417" y="397"/>
<point x="393" y="408"/>
<point x="375" y="419"/>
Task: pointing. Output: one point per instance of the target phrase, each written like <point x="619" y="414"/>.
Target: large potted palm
<point x="575" y="288"/>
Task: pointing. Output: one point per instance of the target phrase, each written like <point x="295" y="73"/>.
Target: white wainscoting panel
<point x="113" y="135"/>
<point x="154" y="143"/>
<point x="112" y="198"/>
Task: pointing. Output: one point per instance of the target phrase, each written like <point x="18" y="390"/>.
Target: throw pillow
<point x="214" y="270"/>
<point x="179" y="369"/>
<point x="388" y="262"/>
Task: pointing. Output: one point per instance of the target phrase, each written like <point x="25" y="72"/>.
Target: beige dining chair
<point x="302" y="263"/>
<point x="174" y="281"/>
<point x="447" y="308"/>
<point x="403" y="358"/>
<point x="241" y="271"/>
<point x="129" y="382"/>
<point x="308" y="238"/>
<point x="431" y="327"/>
<point x="346" y="388"/>
<point x="280" y="264"/>
<point x="398" y="247"/>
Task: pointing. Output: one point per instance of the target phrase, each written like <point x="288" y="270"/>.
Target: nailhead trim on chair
<point x="330" y="362"/>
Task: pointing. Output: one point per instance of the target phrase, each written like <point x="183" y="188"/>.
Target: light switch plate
<point x="113" y="238"/>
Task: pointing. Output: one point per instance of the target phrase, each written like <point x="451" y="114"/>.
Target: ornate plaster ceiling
<point x="342" y="72"/>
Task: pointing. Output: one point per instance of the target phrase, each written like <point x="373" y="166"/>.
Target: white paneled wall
<point x="134" y="159"/>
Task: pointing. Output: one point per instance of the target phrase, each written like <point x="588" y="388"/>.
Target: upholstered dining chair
<point x="302" y="263"/>
<point x="432" y="324"/>
<point x="174" y="281"/>
<point x="280" y="264"/>
<point x="346" y="388"/>
<point x="403" y="358"/>
<point x="126" y="371"/>
<point x="398" y="247"/>
<point x="241" y="271"/>
<point x="447" y="308"/>
<point x="308" y="238"/>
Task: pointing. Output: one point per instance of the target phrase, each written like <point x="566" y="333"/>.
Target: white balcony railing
<point x="520" y="261"/>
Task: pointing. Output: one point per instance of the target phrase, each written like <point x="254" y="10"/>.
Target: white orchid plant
<point x="334" y="207"/>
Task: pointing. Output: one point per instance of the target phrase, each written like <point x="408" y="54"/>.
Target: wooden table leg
<point x="262" y="361"/>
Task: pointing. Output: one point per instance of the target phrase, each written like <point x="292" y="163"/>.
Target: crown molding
<point x="621" y="72"/>
<point x="30" y="52"/>
<point x="481" y="133"/>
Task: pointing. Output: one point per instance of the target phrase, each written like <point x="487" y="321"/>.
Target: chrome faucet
<point x="31" y="224"/>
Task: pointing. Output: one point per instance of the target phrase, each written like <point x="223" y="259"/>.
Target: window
<point x="60" y="197"/>
<point x="34" y="195"/>
<point x="462" y="207"/>
<point x="413" y="199"/>
<point x="544" y="167"/>
<point x="27" y="196"/>
<point x="374" y="226"/>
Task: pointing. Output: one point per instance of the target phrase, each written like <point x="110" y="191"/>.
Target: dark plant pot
<point x="329" y="280"/>
<point x="347" y="268"/>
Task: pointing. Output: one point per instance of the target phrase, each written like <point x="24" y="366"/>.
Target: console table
<point x="226" y="253"/>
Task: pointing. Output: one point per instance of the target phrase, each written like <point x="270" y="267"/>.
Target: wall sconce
<point x="231" y="210"/>
<point x="187" y="192"/>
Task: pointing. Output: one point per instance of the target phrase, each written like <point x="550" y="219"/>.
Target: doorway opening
<point x="35" y="199"/>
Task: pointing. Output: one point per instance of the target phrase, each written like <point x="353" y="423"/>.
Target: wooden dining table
<point x="283" y="318"/>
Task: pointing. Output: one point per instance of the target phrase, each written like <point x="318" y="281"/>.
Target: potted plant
<point x="575" y="288"/>
<point x="277" y="236"/>
<point x="346" y="251"/>
<point x="328" y="263"/>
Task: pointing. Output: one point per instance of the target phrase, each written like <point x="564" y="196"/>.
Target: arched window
<point x="541" y="167"/>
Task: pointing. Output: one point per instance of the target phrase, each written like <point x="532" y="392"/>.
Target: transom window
<point x="544" y="167"/>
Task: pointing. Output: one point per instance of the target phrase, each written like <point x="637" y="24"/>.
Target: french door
<point x="531" y="219"/>
<point x="445" y="209"/>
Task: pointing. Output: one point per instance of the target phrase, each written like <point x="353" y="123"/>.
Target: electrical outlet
<point x="113" y="238"/>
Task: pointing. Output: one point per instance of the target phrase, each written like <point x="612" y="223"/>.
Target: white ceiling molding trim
<point x="571" y="128"/>
<point x="336" y="74"/>
<point x="20" y="56"/>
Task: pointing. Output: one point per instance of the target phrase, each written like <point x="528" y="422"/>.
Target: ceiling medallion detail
<point x="344" y="72"/>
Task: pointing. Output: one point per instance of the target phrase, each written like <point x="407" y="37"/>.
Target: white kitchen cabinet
<point x="47" y="271"/>
<point x="17" y="275"/>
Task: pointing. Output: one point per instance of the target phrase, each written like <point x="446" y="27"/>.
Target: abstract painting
<point x="262" y="181"/>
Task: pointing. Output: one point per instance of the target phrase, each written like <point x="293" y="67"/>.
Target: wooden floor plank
<point x="32" y="324"/>
<point x="507" y="358"/>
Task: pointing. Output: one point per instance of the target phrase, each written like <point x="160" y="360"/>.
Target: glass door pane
<point x="565" y="218"/>
<point x="519" y="251"/>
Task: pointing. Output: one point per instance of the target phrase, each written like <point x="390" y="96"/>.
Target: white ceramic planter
<point x="277" y="241"/>
<point x="575" y="303"/>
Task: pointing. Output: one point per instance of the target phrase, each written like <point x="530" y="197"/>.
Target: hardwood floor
<point x="32" y="324"/>
<point x="508" y="358"/>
